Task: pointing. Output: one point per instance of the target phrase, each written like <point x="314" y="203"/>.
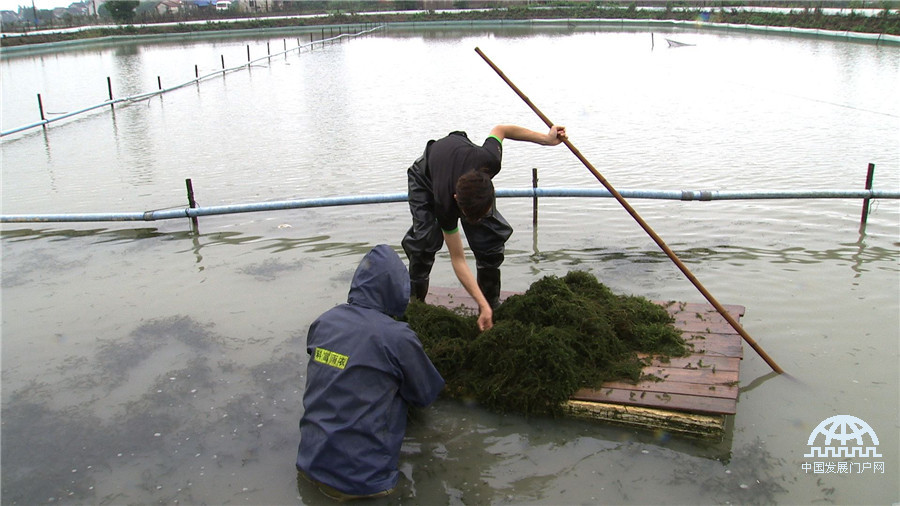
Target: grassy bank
<point x="888" y="22"/>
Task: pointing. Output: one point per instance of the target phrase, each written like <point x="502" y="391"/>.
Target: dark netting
<point x="562" y="334"/>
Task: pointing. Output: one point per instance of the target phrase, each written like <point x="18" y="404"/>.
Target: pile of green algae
<point x="562" y="334"/>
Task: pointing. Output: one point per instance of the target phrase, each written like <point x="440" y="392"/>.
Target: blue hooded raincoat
<point x="364" y="369"/>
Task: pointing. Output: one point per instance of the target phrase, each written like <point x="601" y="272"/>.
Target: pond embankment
<point x="876" y="24"/>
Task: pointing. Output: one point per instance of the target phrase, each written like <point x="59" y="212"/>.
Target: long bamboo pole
<point x="656" y="238"/>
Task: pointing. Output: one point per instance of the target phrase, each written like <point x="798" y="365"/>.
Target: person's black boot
<point x="418" y="289"/>
<point x="489" y="283"/>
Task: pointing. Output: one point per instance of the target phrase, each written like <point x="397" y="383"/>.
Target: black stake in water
<point x="534" y="185"/>
<point x="870" y="176"/>
<point x="534" y="212"/>
<point x="109" y="87"/>
<point x="195" y="226"/>
<point x="41" y="108"/>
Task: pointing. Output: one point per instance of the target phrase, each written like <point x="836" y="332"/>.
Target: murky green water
<point x="144" y="364"/>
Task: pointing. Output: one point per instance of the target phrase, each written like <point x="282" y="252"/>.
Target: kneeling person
<point x="365" y="368"/>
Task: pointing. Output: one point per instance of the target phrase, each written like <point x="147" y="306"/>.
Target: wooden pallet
<point x="694" y="393"/>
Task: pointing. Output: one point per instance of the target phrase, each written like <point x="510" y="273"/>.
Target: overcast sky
<point x="13" y="5"/>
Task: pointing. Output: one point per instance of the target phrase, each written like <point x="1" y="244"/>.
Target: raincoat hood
<point x="381" y="282"/>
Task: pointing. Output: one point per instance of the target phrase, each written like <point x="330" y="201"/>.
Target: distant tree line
<point x="808" y="14"/>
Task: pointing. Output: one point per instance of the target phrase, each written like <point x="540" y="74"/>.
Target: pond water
<point x="143" y="363"/>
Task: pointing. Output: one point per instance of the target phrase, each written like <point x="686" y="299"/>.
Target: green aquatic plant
<point x="562" y="334"/>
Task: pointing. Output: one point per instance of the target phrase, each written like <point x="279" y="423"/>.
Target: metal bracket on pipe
<point x="702" y="195"/>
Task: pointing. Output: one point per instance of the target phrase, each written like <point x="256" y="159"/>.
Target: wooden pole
<point x="109" y="87"/>
<point x="192" y="203"/>
<point x="665" y="247"/>
<point x="41" y="107"/>
<point x="870" y="176"/>
<point x="534" y="185"/>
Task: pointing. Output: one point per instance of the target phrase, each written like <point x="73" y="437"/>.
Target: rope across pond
<point x="143" y="96"/>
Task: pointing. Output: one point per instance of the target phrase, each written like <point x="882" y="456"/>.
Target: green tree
<point x="121" y="11"/>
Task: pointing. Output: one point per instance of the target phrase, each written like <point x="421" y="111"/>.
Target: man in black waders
<point x="452" y="180"/>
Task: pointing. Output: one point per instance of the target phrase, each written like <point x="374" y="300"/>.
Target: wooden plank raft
<point x="695" y="393"/>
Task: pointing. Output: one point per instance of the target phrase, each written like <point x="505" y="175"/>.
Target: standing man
<point x="364" y="369"/>
<point x="452" y="180"/>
